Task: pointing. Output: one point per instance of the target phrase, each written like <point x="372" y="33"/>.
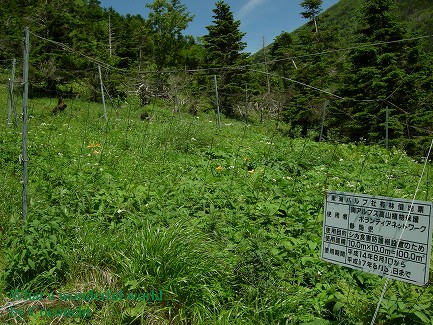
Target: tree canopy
<point x="167" y="20"/>
<point x="367" y="59"/>
<point x="224" y="46"/>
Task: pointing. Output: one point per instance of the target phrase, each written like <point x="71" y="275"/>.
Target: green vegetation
<point x="358" y="59"/>
<point x="227" y="223"/>
<point x="355" y="61"/>
<point x="224" y="47"/>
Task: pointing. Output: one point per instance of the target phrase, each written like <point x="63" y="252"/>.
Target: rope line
<point x="385" y="286"/>
<point x="108" y="66"/>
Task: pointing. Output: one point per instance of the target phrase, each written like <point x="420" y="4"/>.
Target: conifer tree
<point x="224" y="47"/>
<point x="305" y="108"/>
<point x="378" y="75"/>
<point x="281" y="53"/>
<point x="312" y="9"/>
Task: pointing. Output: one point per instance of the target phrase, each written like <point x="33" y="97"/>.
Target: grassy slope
<point x="226" y="222"/>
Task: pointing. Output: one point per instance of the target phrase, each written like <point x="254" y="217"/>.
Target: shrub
<point x="35" y="251"/>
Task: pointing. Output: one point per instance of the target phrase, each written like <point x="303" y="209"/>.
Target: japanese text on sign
<point x="381" y="235"/>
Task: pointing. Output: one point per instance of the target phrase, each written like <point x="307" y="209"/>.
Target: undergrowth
<point x="226" y="222"/>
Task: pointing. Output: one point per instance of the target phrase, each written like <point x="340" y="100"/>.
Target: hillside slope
<point x="224" y="225"/>
<point x="343" y="18"/>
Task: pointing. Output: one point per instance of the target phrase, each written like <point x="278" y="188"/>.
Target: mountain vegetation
<point x="363" y="63"/>
<point x="179" y="222"/>
<point x="224" y="47"/>
<point x="373" y="57"/>
<point x="177" y="219"/>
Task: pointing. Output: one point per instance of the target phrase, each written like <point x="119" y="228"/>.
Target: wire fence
<point x="123" y="113"/>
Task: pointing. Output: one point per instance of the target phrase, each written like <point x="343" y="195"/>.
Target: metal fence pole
<point x="323" y="121"/>
<point x="217" y="102"/>
<point x="246" y="103"/>
<point x="11" y="103"/>
<point x="102" y="92"/>
<point x="24" y="158"/>
<point x="176" y="102"/>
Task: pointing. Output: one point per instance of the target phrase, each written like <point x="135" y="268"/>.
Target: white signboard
<point x="380" y="235"/>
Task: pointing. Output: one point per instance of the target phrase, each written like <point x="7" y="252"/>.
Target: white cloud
<point x="248" y="7"/>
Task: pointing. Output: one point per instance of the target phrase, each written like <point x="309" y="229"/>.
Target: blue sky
<point x="259" y="18"/>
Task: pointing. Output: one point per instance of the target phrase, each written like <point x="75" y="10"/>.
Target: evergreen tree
<point x="281" y="53"/>
<point x="224" y="47"/>
<point x="61" y="22"/>
<point x="312" y="9"/>
<point x="64" y="29"/>
<point x="312" y="71"/>
<point x="379" y="75"/>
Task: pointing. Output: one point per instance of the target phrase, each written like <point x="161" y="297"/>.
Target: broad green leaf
<point x="423" y="317"/>
<point x="337" y="307"/>
<point x="31" y="263"/>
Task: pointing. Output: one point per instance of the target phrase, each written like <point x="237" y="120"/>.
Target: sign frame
<point x="381" y="235"/>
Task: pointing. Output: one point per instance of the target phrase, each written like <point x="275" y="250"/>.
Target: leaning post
<point x="323" y="121"/>
<point x="387" y="128"/>
<point x="246" y="103"/>
<point x="102" y="93"/>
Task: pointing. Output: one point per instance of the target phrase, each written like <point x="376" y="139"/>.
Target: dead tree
<point x="193" y="108"/>
<point x="60" y="106"/>
<point x="145" y="117"/>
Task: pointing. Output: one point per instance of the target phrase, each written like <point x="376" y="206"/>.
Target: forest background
<point x="358" y="62"/>
<point x="108" y="198"/>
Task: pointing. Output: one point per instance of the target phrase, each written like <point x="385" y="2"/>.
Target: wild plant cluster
<point x="226" y="222"/>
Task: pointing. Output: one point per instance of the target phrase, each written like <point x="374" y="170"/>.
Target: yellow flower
<point x="251" y="171"/>
<point x="219" y="168"/>
<point x="93" y="145"/>
<point x="96" y="152"/>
